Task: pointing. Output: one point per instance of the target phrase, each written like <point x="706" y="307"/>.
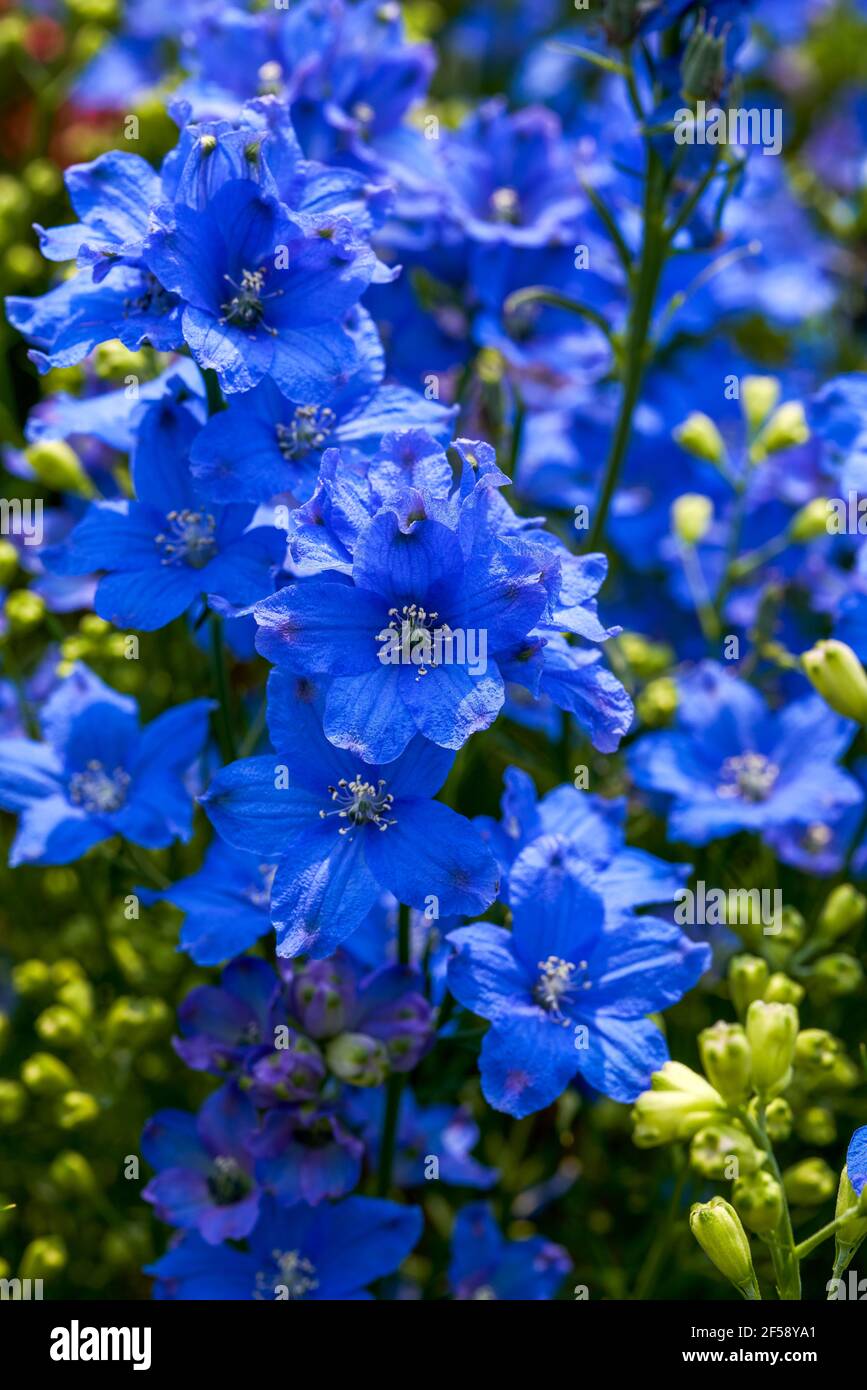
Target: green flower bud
<point x="5" y="1030"/>
<point x="725" y="1056"/>
<point x="30" y="978"/>
<point x="647" y="659"/>
<point x="759" y="396"/>
<point x="71" y="1172"/>
<point x="678" y="1105"/>
<point x="817" y="1052"/>
<point x="772" y="1030"/>
<point x="837" y="674"/>
<point x="76" y="1108"/>
<point x="759" y="1201"/>
<point x="748" y="980"/>
<point x="724" y="1151"/>
<point x="24" y="609"/>
<point x="13" y="1102"/>
<point x="786" y="428"/>
<point x="793" y="930"/>
<point x="844" y="909"/>
<point x="809" y="1182"/>
<point x="703" y="69"/>
<point x="357" y="1059"/>
<point x="60" y="1026"/>
<point x="94" y="11"/>
<point x="45" y="1075"/>
<point x="8" y="563"/>
<point x="657" y="703"/>
<point x="699" y="436"/>
<point x="691" y="516"/>
<point x="43" y="1258"/>
<point x="816" y="1125"/>
<point x="112" y="360"/>
<point x="783" y="990"/>
<point x="836" y="975"/>
<point x="810" y="522"/>
<point x="621" y="20"/>
<point x="22" y="262"/>
<point x="718" y="1230"/>
<point x="778" y="1120"/>
<point x="135" y="1022"/>
<point x="43" y="178"/>
<point x="57" y="465"/>
<point x="853" y="1231"/>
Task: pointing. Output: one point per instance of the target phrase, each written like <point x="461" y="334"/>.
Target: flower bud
<point x="718" y="1230"/>
<point x="322" y="997"/>
<point x="24" y="609"/>
<point x="725" y="1056"/>
<point x="816" y="1125"/>
<point x="72" y="1174"/>
<point x="691" y="516"/>
<point x="657" y="703"/>
<point x="809" y="1182"/>
<point x="135" y="1022"/>
<point x="837" y="674"/>
<point x="748" y="980"/>
<point x="703" y="68"/>
<point x="723" y="1151"/>
<point x="8" y="563"/>
<point x="60" y="1026"/>
<point x="57" y="465"/>
<point x="836" y="975"/>
<point x="853" y="1231"/>
<point x="772" y="1030"/>
<point x="647" y="659"/>
<point x="783" y="990"/>
<point x="13" y="1102"/>
<point x="357" y="1059"/>
<point x="816" y="1053"/>
<point x="779" y="1120"/>
<point x="45" y="1075"/>
<point x="759" y="396"/>
<point x="759" y="1201"/>
<point x="844" y="909"/>
<point x="43" y="1258"/>
<point x="76" y="1108"/>
<point x="699" y="436"/>
<point x="31" y="978"/>
<point x="786" y="428"/>
<point x="810" y="522"/>
<point x="679" y="1103"/>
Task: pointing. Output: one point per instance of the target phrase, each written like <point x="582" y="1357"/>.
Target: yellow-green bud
<point x="718" y="1230"/>
<point x="22" y="262"/>
<point x="76" y="1108"/>
<point x="43" y="178"/>
<point x="817" y="1052"/>
<point x="748" y="980"/>
<point x="24" y="609"/>
<point x="771" y="1030"/>
<point x="647" y="659"/>
<point x="5" y="1030"/>
<point x="759" y="396"/>
<point x="786" y="428"/>
<point x="809" y="1182"/>
<point x="112" y="359"/>
<point x="136" y="1021"/>
<point x="723" y="1151"/>
<point x="678" y="1105"/>
<point x="43" y="1258"/>
<point x="691" y="516"/>
<point x="96" y="11"/>
<point x="779" y="1120"/>
<point x="759" y="1201"/>
<point x="853" y="1231"/>
<point x="8" y="562"/>
<point x="844" y="909"/>
<point x="816" y="1125"/>
<point x="783" y="990"/>
<point x="71" y="1172"/>
<point x="45" y="1075"/>
<point x="837" y="674"/>
<point x="60" y="1026"/>
<point x="793" y="930"/>
<point x="30" y="978"/>
<point x="810" y="522"/>
<point x="657" y="703"/>
<point x="357" y="1059"/>
<point x="13" y="1101"/>
<point x="699" y="436"/>
<point x="57" y="465"/>
<point x="725" y="1056"/>
<point x="836" y="975"/>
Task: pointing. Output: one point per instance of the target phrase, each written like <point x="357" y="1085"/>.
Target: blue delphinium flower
<point x="163" y="551"/>
<point x="329" y="1252"/>
<point x="204" y="1178"/>
<point x="225" y="904"/>
<point x="227" y="1027"/>
<point x="567" y="991"/>
<point x="856" y="1160"/>
<point x="732" y="764"/>
<point x="485" y="1265"/>
<point x="342" y="831"/>
<point x="98" y="774"/>
<point x="424" y="1132"/>
<point x="306" y="1154"/>
<point x="264" y="295"/>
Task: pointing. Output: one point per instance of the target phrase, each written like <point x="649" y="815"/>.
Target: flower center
<point x="750" y="776"/>
<point x="505" y="205"/>
<point x="190" y="539"/>
<point x="361" y="803"/>
<point x="294" y="1273"/>
<point x="227" y="1181"/>
<point x="816" y="838"/>
<point x="416" y="629"/>
<point x="154" y="299"/>
<point x="557" y="981"/>
<point x="98" y="791"/>
<point x="308" y="429"/>
<point x="246" y="308"/>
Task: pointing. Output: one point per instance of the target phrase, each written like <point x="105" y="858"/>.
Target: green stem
<point x="787" y="1269"/>
<point x="403" y="937"/>
<point x="807" y="1246"/>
